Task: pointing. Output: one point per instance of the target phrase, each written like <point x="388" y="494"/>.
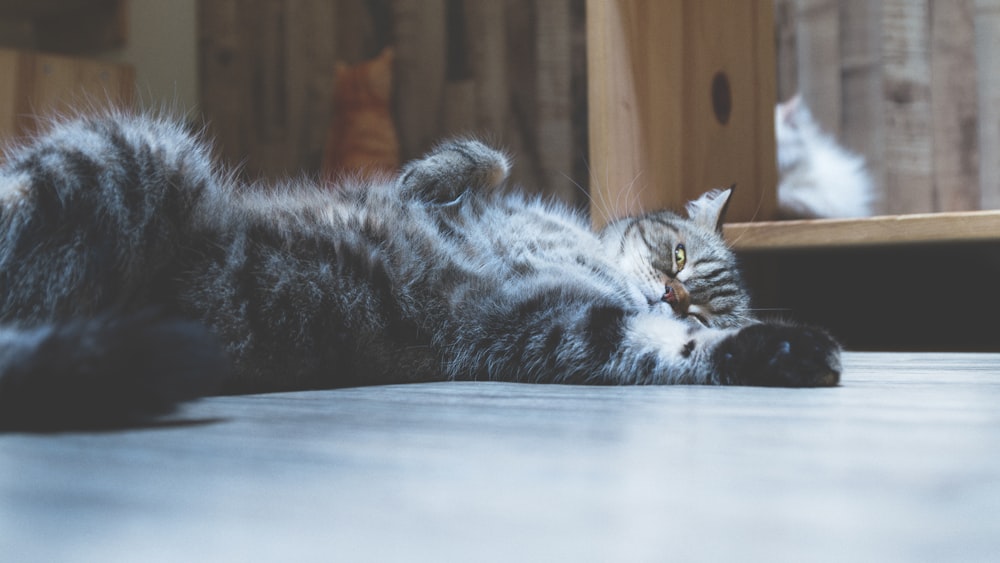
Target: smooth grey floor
<point x="900" y="463"/>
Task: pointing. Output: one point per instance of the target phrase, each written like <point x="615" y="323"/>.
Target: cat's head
<point x="365" y="82"/>
<point x="793" y="126"/>
<point x="681" y="264"/>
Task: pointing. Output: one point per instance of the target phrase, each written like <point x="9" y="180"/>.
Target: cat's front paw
<point x="773" y="355"/>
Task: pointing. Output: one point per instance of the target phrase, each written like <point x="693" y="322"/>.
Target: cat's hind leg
<point x="452" y="168"/>
<point x="104" y="372"/>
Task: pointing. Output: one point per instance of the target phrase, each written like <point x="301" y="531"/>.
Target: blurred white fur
<point x="818" y="178"/>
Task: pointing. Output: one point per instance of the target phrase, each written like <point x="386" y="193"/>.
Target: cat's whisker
<point x="579" y="187"/>
<point x="735" y="241"/>
<point x="756" y="211"/>
<point x="603" y="204"/>
<point x="634" y="201"/>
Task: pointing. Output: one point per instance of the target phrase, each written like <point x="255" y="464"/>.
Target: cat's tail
<point x="105" y="372"/>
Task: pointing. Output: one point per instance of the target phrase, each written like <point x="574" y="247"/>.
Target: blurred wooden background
<point x="513" y="71"/>
<point x="914" y="85"/>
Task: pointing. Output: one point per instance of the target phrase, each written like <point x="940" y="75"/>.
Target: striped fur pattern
<point x="136" y="273"/>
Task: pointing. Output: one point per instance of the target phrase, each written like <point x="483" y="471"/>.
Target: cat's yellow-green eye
<point x="680" y="256"/>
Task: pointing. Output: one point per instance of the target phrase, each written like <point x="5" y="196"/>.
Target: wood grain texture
<point x="900" y="463"/>
<point x="987" y="28"/>
<point x="67" y="26"/>
<point x="967" y="226"/>
<point x="656" y="137"/>
<point x="787" y="67"/>
<point x="863" y="111"/>
<point x="421" y="46"/>
<point x="818" y="42"/>
<point x="34" y="85"/>
<point x="909" y="157"/>
<point x="954" y="106"/>
<point x="555" y="109"/>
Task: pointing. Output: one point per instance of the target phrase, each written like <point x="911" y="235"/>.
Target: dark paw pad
<point x="779" y="356"/>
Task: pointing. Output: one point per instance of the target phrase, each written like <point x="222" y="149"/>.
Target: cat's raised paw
<point x="774" y="355"/>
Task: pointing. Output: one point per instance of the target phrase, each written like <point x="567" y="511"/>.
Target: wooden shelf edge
<point x="966" y="226"/>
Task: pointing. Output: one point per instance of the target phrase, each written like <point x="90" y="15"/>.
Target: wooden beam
<point x="968" y="226"/>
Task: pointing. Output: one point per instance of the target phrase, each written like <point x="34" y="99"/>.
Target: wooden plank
<point x="459" y="107"/>
<point x="786" y="50"/>
<point x="620" y="46"/>
<point x="52" y="8"/>
<point x="67" y="26"/>
<point x="102" y="25"/>
<point x="954" y="105"/>
<point x="909" y="156"/>
<point x="40" y="85"/>
<point x="969" y="226"/>
<point x="817" y="41"/>
<point x="264" y="36"/>
<point x="760" y="92"/>
<point x="13" y="103"/>
<point x="580" y="168"/>
<point x="519" y="131"/>
<point x="987" y="27"/>
<point x="312" y="45"/>
<point x="486" y="39"/>
<point x="224" y="72"/>
<point x="420" y="38"/>
<point x="554" y="130"/>
<point x="862" y="112"/>
<point x="658" y="138"/>
<point x="65" y="83"/>
<point x="734" y="41"/>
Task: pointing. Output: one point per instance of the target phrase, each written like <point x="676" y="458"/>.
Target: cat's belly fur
<point x="371" y="292"/>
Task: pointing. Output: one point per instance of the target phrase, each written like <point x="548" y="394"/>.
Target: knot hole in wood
<point x="722" y="97"/>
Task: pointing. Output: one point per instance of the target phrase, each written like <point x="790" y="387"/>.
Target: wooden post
<point x="681" y="97"/>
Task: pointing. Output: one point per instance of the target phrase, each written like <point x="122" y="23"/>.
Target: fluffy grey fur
<point x="135" y="273"/>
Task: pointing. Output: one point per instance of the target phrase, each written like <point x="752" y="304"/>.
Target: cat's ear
<point x="340" y="68"/>
<point x="788" y="109"/>
<point x="709" y="210"/>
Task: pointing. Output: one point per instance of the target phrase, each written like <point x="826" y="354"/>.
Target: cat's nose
<point x="677" y="297"/>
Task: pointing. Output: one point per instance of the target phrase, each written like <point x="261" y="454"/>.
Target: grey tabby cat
<point x="136" y="274"/>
